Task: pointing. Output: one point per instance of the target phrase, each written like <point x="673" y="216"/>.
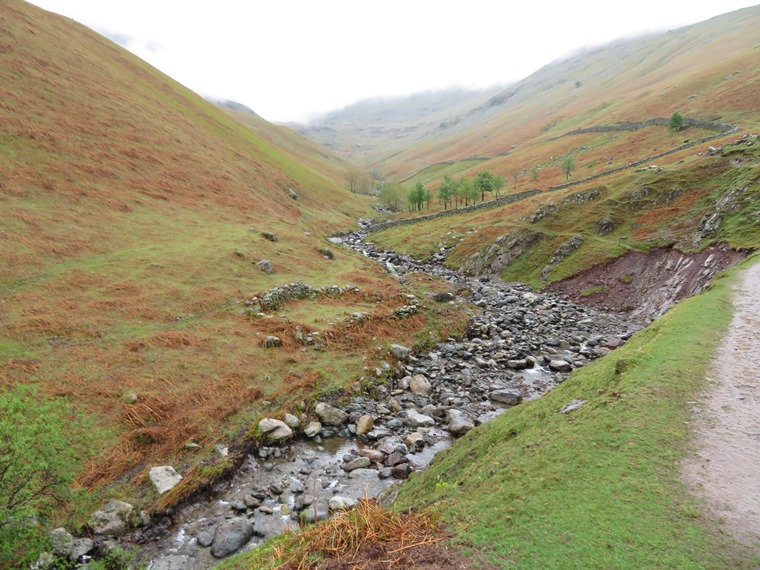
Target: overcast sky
<point x="291" y="59"/>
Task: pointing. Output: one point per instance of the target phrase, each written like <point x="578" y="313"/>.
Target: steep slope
<point x="708" y="70"/>
<point x="369" y="130"/>
<point x="133" y="215"/>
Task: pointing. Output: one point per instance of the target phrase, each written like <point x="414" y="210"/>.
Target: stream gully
<point x="519" y="345"/>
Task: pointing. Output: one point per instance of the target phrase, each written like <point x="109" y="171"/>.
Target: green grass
<point x="595" y="290"/>
<point x="599" y="487"/>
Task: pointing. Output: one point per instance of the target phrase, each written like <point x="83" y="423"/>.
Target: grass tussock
<point x="368" y="537"/>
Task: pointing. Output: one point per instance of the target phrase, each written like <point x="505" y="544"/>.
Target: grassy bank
<point x="598" y="487"/>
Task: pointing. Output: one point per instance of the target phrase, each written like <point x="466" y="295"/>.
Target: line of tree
<point x="461" y="191"/>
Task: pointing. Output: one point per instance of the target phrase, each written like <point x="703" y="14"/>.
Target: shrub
<point x="42" y="445"/>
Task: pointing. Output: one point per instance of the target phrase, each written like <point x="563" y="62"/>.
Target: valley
<point x="210" y="334"/>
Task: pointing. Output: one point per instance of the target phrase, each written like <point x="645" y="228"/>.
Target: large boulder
<point x="230" y="536"/>
<point x="164" y="478"/>
<point x="113" y="519"/>
<point x="276" y="431"/>
<point x="330" y="415"/>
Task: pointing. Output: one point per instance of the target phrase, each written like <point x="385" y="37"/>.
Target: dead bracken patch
<point x="369" y="537"/>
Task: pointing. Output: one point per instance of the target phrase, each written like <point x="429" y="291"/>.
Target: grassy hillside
<point x="132" y="219"/>
<point x="708" y="70"/>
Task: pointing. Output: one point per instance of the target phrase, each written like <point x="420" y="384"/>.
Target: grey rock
<point x="364" y="474"/>
<point x="330" y="415"/>
<point x="338" y="503"/>
<point x="276" y="431"/>
<point x="265" y="265"/>
<point x="505" y="396"/>
<point x="416" y="419"/>
<point x="113" y="519"/>
<point x="230" y="536"/>
<point x="61" y="542"/>
<point x="204" y="538"/>
<point x="175" y="562"/>
<point x="399" y="352"/>
<point x="560" y="366"/>
<point x="364" y="424"/>
<point x="81" y="547"/>
<point x="420" y="385"/>
<point x="459" y="424"/>
<point x="358" y="463"/>
<point x="164" y="478"/>
<point x="269" y="236"/>
<point x="272" y="341"/>
<point x="312" y="429"/>
<point x="292" y="194"/>
<point x="291" y="421"/>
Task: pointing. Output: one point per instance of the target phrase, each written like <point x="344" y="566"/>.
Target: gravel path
<point x="726" y="468"/>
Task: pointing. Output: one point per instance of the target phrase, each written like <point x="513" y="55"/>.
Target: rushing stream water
<point x="518" y="346"/>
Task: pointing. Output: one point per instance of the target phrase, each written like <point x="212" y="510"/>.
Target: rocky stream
<point x="519" y="344"/>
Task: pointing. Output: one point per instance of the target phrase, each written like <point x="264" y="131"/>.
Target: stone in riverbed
<point x="230" y="536"/>
<point x="364" y="424"/>
<point x="204" y="538"/>
<point x="505" y="396"/>
<point x="416" y="419"/>
<point x="330" y="415"/>
<point x="420" y="385"/>
<point x="358" y="463"/>
<point x="312" y="429"/>
<point x="560" y="366"/>
<point x="338" y="503"/>
<point x="459" y="424"/>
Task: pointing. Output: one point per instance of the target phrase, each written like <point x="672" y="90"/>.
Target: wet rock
<point x="175" y="562"/>
<point x="395" y="458"/>
<point x="505" y="396"/>
<point x="560" y="366"/>
<point x="459" y="424"/>
<point x="230" y="536"/>
<point x="312" y="429"/>
<point x="364" y="425"/>
<point x="416" y="419"/>
<point x="415" y="441"/>
<point x="322" y="513"/>
<point x="275" y="431"/>
<point x="113" y="519"/>
<point x="366" y="474"/>
<point x="373" y="455"/>
<point x="420" y="385"/>
<point x="338" y="503"/>
<point x="358" y="463"/>
<point x="204" y="538"/>
<point x="402" y="471"/>
<point x="330" y="415"/>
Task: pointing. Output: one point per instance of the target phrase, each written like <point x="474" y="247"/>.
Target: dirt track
<point x="725" y="470"/>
